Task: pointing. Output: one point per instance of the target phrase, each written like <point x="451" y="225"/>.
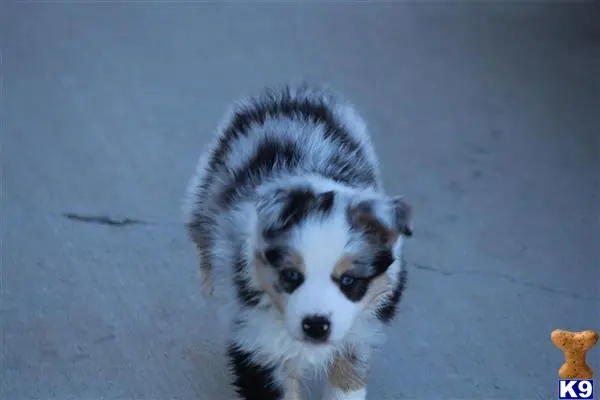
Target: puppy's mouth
<point x="310" y="342"/>
<point x="313" y="342"/>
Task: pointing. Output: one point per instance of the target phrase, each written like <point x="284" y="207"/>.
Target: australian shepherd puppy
<point x="288" y="206"/>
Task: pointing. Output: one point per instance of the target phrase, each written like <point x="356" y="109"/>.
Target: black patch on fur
<point x="272" y="104"/>
<point x="270" y="152"/>
<point x="387" y="311"/>
<point x="296" y="206"/>
<point x="344" y="170"/>
<point x="274" y="256"/>
<point x="199" y="222"/>
<point x="278" y="103"/>
<point x="251" y="380"/>
<point x="382" y="260"/>
<point x="299" y="204"/>
<point x="246" y="295"/>
<point x="324" y="202"/>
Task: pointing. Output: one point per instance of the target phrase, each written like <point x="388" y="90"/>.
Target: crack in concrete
<point x="103" y="220"/>
<point x="506" y="277"/>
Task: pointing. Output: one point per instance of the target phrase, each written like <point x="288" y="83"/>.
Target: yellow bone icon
<point x="574" y="345"/>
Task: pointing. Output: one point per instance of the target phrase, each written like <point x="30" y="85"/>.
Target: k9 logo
<point x="576" y="389"/>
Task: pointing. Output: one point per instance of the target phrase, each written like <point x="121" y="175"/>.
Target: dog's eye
<point x="353" y="288"/>
<point x="290" y="275"/>
<point x="347" y="281"/>
<point x="290" y="279"/>
<point x="273" y="256"/>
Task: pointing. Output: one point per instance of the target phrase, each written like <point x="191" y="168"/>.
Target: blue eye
<point x="347" y="281"/>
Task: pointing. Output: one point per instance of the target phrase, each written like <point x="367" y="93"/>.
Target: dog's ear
<point x="402" y="216"/>
<point x="382" y="219"/>
<point x="280" y="209"/>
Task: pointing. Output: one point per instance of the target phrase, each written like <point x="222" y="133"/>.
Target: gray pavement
<point x="485" y="117"/>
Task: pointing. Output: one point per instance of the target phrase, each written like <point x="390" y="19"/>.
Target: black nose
<point x="316" y="327"/>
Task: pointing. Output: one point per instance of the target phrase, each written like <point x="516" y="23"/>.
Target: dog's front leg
<point x="252" y="380"/>
<point x="291" y="382"/>
<point x="347" y="378"/>
<point x="292" y="389"/>
<point x="338" y="394"/>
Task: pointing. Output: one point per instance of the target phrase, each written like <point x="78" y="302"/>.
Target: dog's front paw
<point x="334" y="393"/>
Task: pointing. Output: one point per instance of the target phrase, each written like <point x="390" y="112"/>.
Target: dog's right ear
<point x="280" y="209"/>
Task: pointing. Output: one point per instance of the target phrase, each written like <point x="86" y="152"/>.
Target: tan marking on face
<point x="376" y="230"/>
<point x="267" y="279"/>
<point x="342" y="266"/>
<point x="347" y="375"/>
<point x="393" y="236"/>
<point x="296" y="261"/>
<point x="379" y="287"/>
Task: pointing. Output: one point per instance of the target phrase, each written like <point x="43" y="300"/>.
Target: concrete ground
<point x="485" y="117"/>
